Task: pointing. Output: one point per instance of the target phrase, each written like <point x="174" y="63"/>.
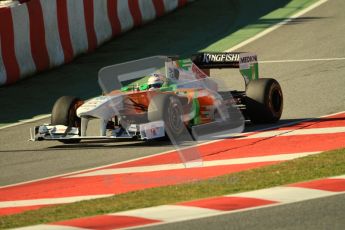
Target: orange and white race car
<point x="158" y="96"/>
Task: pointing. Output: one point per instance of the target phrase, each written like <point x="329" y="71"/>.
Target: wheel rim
<point x="174" y="117"/>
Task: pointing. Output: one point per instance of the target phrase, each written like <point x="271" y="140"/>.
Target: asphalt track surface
<point x="311" y="89"/>
<point x="22" y="160"/>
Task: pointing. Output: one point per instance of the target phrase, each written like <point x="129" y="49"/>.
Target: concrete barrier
<point x="40" y="34"/>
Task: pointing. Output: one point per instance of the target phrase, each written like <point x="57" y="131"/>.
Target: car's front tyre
<point x="64" y="113"/>
<point x="167" y="108"/>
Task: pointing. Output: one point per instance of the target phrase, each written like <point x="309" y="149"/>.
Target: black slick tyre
<point x="64" y="113"/>
<point x="264" y="100"/>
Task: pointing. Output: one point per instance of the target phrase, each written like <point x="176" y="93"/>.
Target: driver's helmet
<point x="155" y="81"/>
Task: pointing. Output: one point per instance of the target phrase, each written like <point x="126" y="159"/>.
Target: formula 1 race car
<point x="158" y="96"/>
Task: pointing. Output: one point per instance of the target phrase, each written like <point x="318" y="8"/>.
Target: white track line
<point x="338" y="177"/>
<point x="169" y="213"/>
<point x="49" y="227"/>
<point x="272" y="28"/>
<point x="285" y="194"/>
<point x="314" y="131"/>
<point x="303" y="60"/>
<point x="164" y="167"/>
<point x="41" y="117"/>
<point x="49" y="201"/>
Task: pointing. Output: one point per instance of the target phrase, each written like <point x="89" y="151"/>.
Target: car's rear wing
<point x="216" y="60"/>
<point x="246" y="62"/>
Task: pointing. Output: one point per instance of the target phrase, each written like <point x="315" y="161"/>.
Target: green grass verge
<point x="312" y="167"/>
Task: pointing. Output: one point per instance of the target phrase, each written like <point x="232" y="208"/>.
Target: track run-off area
<point x="306" y="55"/>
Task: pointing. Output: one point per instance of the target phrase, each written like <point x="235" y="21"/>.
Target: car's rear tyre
<point x="264" y="100"/>
<point x="167" y="108"/>
<point x="64" y="113"/>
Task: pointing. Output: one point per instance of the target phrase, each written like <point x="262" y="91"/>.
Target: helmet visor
<point x="155" y="85"/>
